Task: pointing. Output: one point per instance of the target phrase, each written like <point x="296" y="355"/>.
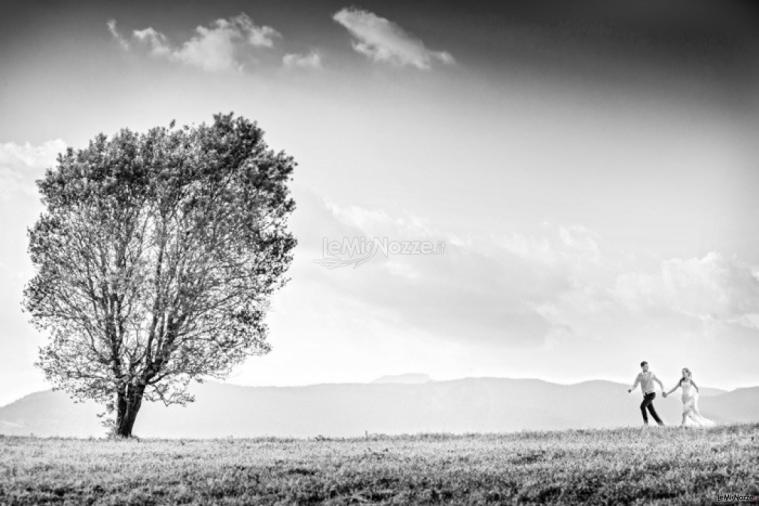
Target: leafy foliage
<point x="156" y="257"/>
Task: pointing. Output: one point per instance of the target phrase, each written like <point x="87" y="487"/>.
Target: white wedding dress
<point x="691" y="415"/>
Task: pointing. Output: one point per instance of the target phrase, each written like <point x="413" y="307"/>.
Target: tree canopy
<point x="156" y="256"/>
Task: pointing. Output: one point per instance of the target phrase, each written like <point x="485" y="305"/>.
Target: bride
<point x="690" y="401"/>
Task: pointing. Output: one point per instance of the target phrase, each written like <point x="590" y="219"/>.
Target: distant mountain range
<point x="390" y="405"/>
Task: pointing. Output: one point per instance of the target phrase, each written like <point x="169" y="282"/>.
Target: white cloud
<point x="714" y="287"/>
<point x="117" y="35"/>
<point x="22" y="164"/>
<point x="384" y="41"/>
<point x="215" y="48"/>
<point x="370" y="220"/>
<point x="462" y="293"/>
<point x="312" y="60"/>
<point x="524" y="290"/>
<point x="155" y="40"/>
<point x="221" y="46"/>
<point x="566" y="245"/>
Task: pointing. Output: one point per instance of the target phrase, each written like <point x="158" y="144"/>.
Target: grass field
<point x="624" y="466"/>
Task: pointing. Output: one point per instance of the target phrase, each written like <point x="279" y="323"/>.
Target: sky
<point x="587" y="172"/>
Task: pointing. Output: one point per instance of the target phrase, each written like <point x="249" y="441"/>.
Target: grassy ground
<point x="625" y="466"/>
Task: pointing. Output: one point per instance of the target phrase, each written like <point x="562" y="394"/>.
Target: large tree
<point x="156" y="256"/>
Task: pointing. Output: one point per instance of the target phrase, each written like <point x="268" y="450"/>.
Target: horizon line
<point x="377" y="382"/>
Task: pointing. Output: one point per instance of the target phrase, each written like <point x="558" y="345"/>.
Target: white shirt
<point x="646" y="380"/>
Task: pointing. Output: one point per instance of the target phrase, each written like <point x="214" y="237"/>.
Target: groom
<point x="646" y="379"/>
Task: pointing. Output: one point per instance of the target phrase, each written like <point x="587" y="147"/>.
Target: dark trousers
<point x="648" y="403"/>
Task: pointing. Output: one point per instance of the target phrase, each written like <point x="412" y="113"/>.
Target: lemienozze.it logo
<point x="737" y="498"/>
<point x="355" y="251"/>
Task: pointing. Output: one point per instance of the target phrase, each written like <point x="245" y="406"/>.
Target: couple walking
<point x="691" y="414"/>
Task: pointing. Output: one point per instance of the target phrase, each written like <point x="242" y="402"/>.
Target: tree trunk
<point x="128" y="405"/>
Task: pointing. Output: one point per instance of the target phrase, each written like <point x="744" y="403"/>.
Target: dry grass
<point x="624" y="466"/>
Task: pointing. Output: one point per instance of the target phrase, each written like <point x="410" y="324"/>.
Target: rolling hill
<point x="465" y="405"/>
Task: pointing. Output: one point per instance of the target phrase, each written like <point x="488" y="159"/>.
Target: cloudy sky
<point x="591" y="170"/>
